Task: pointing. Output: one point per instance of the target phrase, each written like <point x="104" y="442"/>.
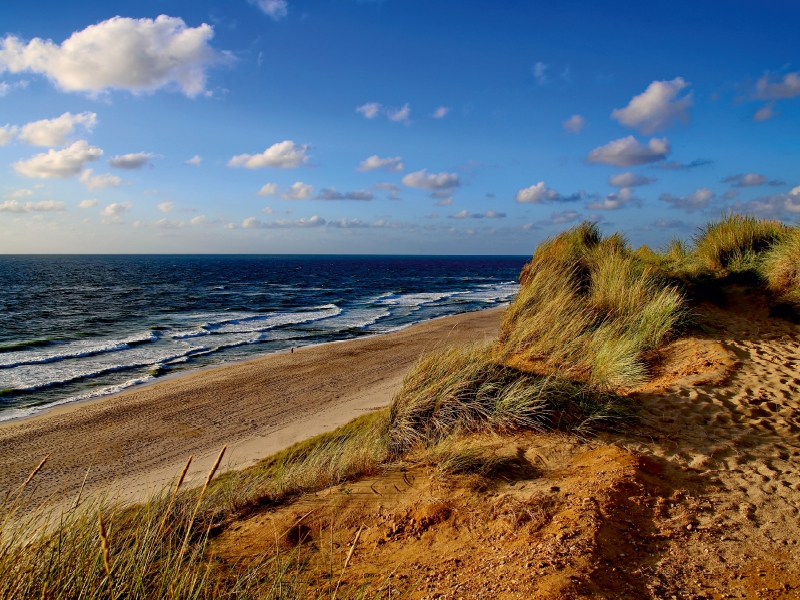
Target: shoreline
<point x="67" y="406"/>
<point x="135" y="441"/>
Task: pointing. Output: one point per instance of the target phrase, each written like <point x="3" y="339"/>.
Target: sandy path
<point x="138" y="440"/>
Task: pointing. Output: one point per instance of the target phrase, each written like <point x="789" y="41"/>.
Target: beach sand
<point x="135" y="442"/>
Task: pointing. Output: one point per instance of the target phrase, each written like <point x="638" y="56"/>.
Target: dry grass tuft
<point x="733" y="242"/>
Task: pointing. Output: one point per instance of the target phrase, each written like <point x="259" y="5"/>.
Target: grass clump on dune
<point x="589" y="309"/>
<point x="734" y="242"/>
<point x="780" y="268"/>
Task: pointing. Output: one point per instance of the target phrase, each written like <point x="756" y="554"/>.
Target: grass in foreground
<point x="589" y="311"/>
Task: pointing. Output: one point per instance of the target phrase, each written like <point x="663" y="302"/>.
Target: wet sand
<point x="134" y="443"/>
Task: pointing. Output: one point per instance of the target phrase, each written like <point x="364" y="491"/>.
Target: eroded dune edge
<point x="632" y="432"/>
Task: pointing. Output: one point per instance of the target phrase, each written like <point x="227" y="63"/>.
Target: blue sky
<point x="390" y="126"/>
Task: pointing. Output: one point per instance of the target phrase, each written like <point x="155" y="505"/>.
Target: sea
<point x="75" y="327"/>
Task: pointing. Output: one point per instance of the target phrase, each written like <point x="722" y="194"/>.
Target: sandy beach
<point x="135" y="442"/>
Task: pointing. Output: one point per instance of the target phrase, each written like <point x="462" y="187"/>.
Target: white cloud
<point x="254" y="223"/>
<point x="445" y="201"/>
<point x="7" y="133"/>
<point x="440" y="112"/>
<point x="283" y="155"/>
<point x="399" y="115"/>
<point x="131" y="161"/>
<point x="194" y="161"/>
<point x="614" y="201"/>
<point x="332" y="194"/>
<point x="230" y="226"/>
<point x="370" y="110"/>
<point x="268" y="211"/>
<point x="84" y="204"/>
<point x="22" y="193"/>
<point x="657" y="108"/>
<point x="697" y="200"/>
<point x="43" y="206"/>
<point x="374" y="162"/>
<point x="277" y="9"/>
<point x="348" y="224"/>
<point x="138" y="55"/>
<point x="748" y="180"/>
<point x="116" y="209"/>
<point x="392" y="188"/>
<point x="160" y="224"/>
<point x="58" y="164"/>
<point x="268" y="189"/>
<point x="460" y="215"/>
<point x="629" y="179"/>
<point x="489" y="214"/>
<point x="104" y="180"/>
<point x="788" y="87"/>
<point x="795" y="191"/>
<point x="574" y="124"/>
<point x="430" y="181"/>
<point x="566" y="216"/>
<point x="298" y="191"/>
<point x="166" y="206"/>
<point x="778" y="205"/>
<point x="540" y="193"/>
<point x="765" y="113"/>
<point x="54" y="132"/>
<point x="201" y="220"/>
<point x="539" y="72"/>
<point x="7" y="87"/>
<point x="628" y="152"/>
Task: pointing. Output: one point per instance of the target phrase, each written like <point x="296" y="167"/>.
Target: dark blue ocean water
<point x="77" y="327"/>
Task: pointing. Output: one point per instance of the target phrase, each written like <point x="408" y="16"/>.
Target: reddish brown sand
<point x="137" y="441"/>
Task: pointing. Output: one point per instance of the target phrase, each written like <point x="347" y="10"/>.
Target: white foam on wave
<point x="414" y="300"/>
<point x="258" y="323"/>
<point x="356" y="318"/>
<point x="21" y="413"/>
<point x="78" y="349"/>
<point x="27" y="378"/>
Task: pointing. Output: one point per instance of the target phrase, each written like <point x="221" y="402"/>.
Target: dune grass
<point x="589" y="311"/>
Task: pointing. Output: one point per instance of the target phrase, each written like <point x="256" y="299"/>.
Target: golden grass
<point x="588" y="311"/>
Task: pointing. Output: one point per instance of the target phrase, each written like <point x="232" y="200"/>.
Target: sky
<point x="390" y="126"/>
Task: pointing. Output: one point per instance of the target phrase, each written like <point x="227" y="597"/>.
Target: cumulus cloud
<point x="657" y="108"/>
<point x="615" y="200"/>
<point x="431" y="181"/>
<point x="268" y="189"/>
<point x="445" y="201"/>
<point x="162" y="224"/>
<point x="775" y="206"/>
<point x="629" y="179"/>
<point x="298" y="191"/>
<point x="166" y="206"/>
<point x="131" y="161"/>
<point x="748" y="180"/>
<point x="58" y="164"/>
<point x="769" y="89"/>
<point x="399" y="115"/>
<point x="194" y="161"/>
<point x="765" y="113"/>
<point x="628" y="152"/>
<point x="54" y="132"/>
<point x="374" y="162"/>
<point x="116" y="209"/>
<point x="22" y="193"/>
<point x="202" y="220"/>
<point x="460" y="215"/>
<point x="566" y="216"/>
<point x="104" y="180"/>
<point x="333" y="194"/>
<point x="254" y="223"/>
<point x="84" y="204"/>
<point x="138" y="55"/>
<point x="15" y="206"/>
<point x="668" y="223"/>
<point x="277" y="9"/>
<point x="440" y="112"/>
<point x="697" y="200"/>
<point x="7" y="133"/>
<point x="370" y="110"/>
<point x="574" y="124"/>
<point x="539" y="194"/>
<point x="283" y="155"/>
